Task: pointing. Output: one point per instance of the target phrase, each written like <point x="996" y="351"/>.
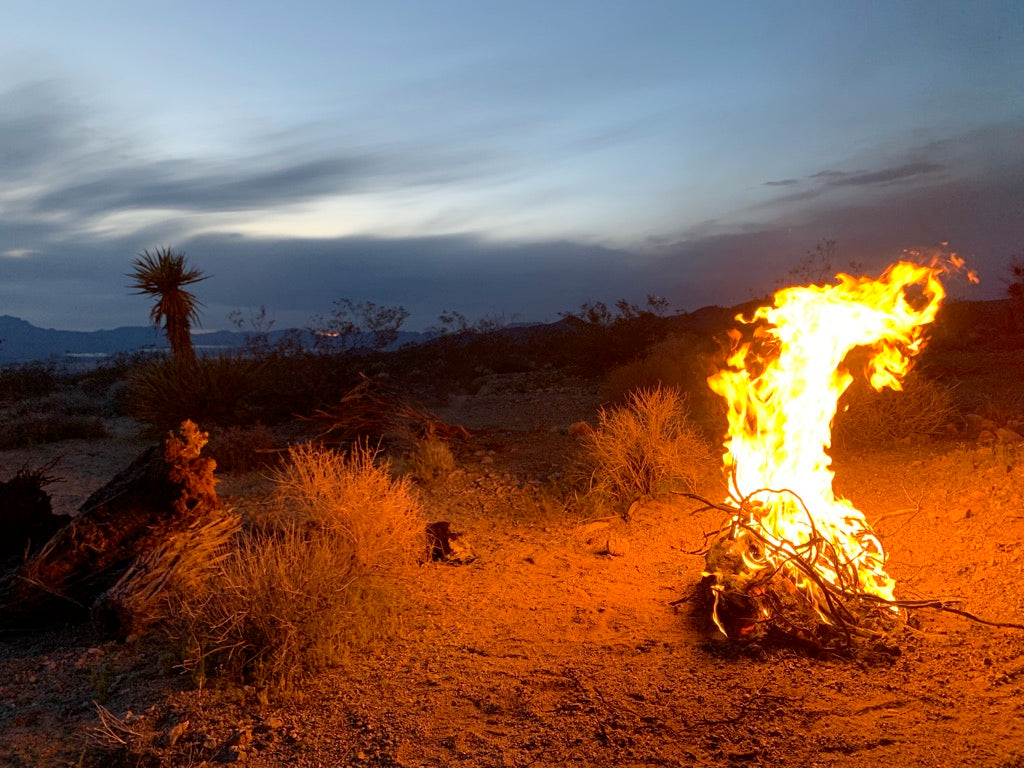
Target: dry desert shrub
<point x="867" y="418"/>
<point x="322" y="572"/>
<point x="213" y="390"/>
<point x="20" y="382"/>
<point x="242" y="448"/>
<point x="21" y="431"/>
<point x="682" y="362"/>
<point x="40" y="405"/>
<point x="646" y="447"/>
<point x="431" y="458"/>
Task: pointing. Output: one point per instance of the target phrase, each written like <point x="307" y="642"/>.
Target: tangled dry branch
<point x="373" y="410"/>
<point x="765" y="604"/>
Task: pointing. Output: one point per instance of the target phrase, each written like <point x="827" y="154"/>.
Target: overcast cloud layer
<point x="519" y="171"/>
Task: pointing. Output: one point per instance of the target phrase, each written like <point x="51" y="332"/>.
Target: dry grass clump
<point x="867" y="418"/>
<point x="431" y="458"/>
<point x="322" y="572"/>
<point x="646" y="447"/>
<point x="681" y="362"/>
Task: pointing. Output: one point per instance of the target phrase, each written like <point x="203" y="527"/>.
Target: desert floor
<point x="559" y="645"/>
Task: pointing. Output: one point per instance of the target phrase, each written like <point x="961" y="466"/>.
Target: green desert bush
<point x="321" y="573"/>
<point x="646" y="447"/>
<point x="211" y="391"/>
<point x="866" y="418"/>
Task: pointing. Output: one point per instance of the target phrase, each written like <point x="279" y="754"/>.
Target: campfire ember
<point x="794" y="559"/>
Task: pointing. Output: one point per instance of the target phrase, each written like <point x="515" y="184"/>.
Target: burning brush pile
<point x="794" y="562"/>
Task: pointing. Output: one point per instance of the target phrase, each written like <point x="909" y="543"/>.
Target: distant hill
<point x="22" y="342"/>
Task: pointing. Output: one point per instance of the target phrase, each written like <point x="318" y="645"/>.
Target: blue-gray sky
<point x="498" y="158"/>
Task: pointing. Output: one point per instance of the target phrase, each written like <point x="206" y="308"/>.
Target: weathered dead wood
<point x="373" y="410"/>
<point x="447" y="545"/>
<point x="162" y="491"/>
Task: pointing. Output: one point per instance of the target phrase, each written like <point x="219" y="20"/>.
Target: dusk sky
<point x="508" y="159"/>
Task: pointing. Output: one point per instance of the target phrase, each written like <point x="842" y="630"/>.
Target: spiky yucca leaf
<point x="164" y="274"/>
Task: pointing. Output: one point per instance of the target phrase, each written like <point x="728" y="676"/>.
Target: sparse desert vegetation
<point x="311" y="626"/>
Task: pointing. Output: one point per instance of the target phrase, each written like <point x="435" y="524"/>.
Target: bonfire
<point x="795" y="560"/>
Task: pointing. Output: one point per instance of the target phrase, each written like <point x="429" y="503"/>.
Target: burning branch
<point x="799" y="561"/>
<point x="848" y="614"/>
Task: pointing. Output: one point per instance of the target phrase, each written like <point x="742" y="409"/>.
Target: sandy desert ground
<point x="559" y="645"/>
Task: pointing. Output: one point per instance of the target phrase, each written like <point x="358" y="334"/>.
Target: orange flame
<point x="782" y="388"/>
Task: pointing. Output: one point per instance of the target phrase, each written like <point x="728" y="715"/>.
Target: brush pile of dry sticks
<point x="373" y="410"/>
<point x="760" y="589"/>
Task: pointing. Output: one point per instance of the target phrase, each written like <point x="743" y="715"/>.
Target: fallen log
<point x="163" y="491"/>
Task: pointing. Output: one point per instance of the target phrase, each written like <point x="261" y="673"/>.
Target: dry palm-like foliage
<point x="183" y="563"/>
<point x="372" y="410"/>
<point x="319" y="574"/>
<point x="646" y="447"/>
<point x="163" y="491"/>
<point x="164" y="275"/>
<point x="180" y="557"/>
<point x="26" y="515"/>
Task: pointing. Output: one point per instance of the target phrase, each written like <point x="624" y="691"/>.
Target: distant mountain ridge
<point x="22" y="342"/>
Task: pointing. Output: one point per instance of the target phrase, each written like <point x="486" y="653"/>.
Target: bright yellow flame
<point x="782" y="388"/>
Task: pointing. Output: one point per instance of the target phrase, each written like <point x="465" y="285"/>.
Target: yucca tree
<point x="164" y="274"/>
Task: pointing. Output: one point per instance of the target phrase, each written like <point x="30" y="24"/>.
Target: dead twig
<point x="371" y="409"/>
<point x="112" y="730"/>
<point x="756" y="697"/>
<point x="943" y="607"/>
